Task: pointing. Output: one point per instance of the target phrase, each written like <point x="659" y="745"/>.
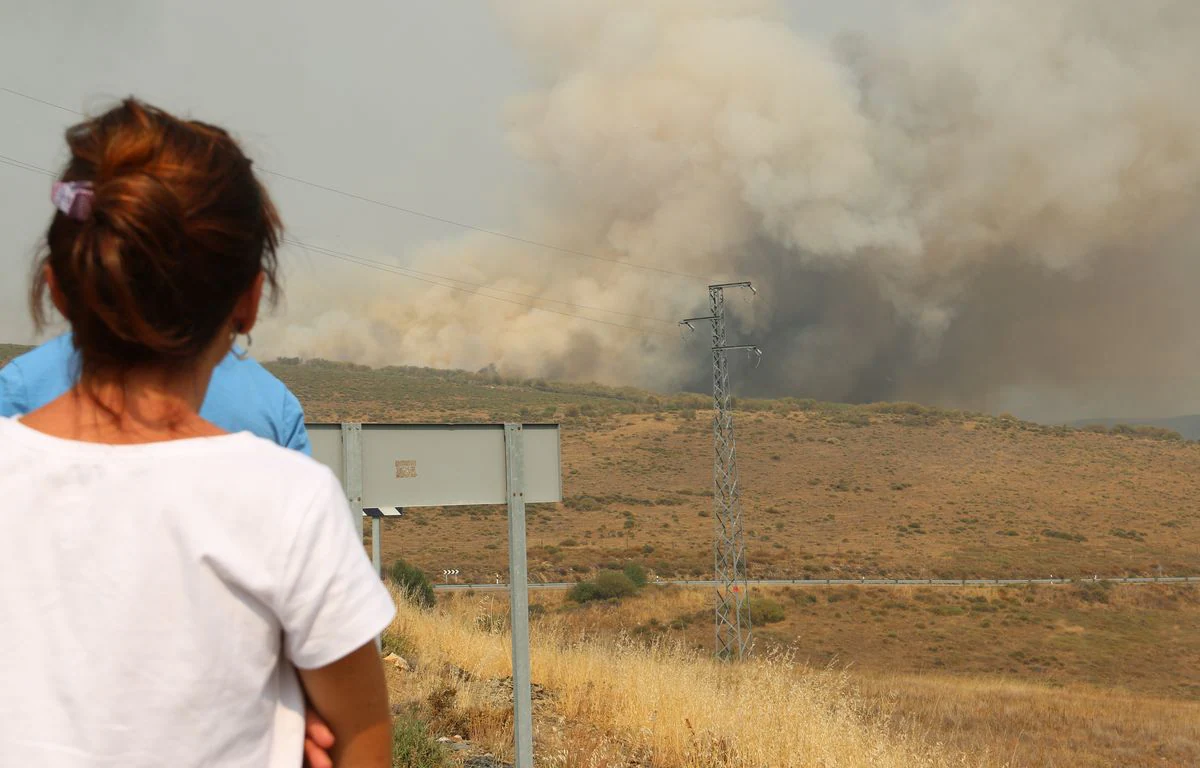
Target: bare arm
<point x="351" y="696"/>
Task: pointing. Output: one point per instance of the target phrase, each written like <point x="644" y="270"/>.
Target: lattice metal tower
<point x="729" y="546"/>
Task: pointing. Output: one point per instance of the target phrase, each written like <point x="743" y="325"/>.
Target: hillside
<point x="1188" y="427"/>
<point x="9" y="351"/>
<point x="828" y="490"/>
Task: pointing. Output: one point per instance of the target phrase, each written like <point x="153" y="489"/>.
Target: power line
<point x="40" y="101"/>
<point x="413" y="274"/>
<point x="429" y="216"/>
<point x="353" y="259"/>
<point x="328" y="252"/>
<point x="484" y="230"/>
<point x="15" y="163"/>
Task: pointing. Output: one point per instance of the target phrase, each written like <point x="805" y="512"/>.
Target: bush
<point x="584" y="592"/>
<point x="636" y="573"/>
<point x="764" y="610"/>
<point x="397" y="644"/>
<point x="614" y="584"/>
<point x="413" y="582"/>
<point x="1065" y="535"/>
<point x="413" y="746"/>
<point x="609" y="585"/>
<point x="947" y="610"/>
<point x="1093" y="591"/>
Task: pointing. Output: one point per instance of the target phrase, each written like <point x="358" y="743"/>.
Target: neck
<point x="139" y="406"/>
<point x="150" y="399"/>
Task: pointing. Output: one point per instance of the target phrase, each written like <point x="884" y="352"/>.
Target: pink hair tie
<point x="74" y="198"/>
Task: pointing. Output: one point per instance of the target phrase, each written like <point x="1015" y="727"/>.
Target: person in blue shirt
<point x="242" y="396"/>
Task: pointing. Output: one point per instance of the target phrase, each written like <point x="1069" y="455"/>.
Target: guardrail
<point x="862" y="581"/>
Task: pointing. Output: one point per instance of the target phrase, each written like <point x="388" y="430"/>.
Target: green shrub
<point x="636" y="573"/>
<point x="1052" y="534"/>
<point x="947" y="610"/>
<point x="397" y="644"/>
<point x="764" y="610"/>
<point x="584" y="592"/>
<point x="613" y="585"/>
<point x="413" y="582"/>
<point x="608" y="585"/>
<point x="1131" y="534"/>
<point x="1093" y="591"/>
<point x="413" y="746"/>
<point x="852" y="419"/>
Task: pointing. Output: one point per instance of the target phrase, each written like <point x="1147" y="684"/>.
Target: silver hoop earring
<point x="245" y="353"/>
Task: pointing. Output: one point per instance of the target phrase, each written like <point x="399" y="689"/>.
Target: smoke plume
<point x="995" y="209"/>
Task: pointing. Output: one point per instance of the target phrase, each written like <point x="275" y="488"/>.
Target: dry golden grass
<point x="1039" y="726"/>
<point x="622" y="703"/>
<point x="1050" y="635"/>
<point x="605" y="700"/>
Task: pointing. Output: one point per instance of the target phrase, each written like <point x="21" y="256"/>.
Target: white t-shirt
<point x="151" y="597"/>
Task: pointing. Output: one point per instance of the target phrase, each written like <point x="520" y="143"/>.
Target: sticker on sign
<point x="405" y="469"/>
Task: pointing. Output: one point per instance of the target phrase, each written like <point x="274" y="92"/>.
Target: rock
<point x="536" y="692"/>
<point x="484" y="761"/>
<point x="390" y="657"/>
<point x="456" y="739"/>
<point x="399" y="662"/>
<point x="458" y="673"/>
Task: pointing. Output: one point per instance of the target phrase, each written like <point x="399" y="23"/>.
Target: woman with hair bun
<point x="162" y="580"/>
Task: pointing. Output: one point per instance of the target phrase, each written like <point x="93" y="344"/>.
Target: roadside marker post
<point x="386" y="469"/>
<point x="518" y="600"/>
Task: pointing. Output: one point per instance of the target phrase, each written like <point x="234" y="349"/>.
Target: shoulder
<point x="255" y="475"/>
<point x="33" y="379"/>
<point x="54" y="355"/>
<point x="250" y="376"/>
<point x="248" y="371"/>
<point x="267" y="459"/>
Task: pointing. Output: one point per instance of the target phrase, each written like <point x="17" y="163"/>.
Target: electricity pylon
<point x="729" y="544"/>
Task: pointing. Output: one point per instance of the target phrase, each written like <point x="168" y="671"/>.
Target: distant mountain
<point x="9" y="351"/>
<point x="1187" y="426"/>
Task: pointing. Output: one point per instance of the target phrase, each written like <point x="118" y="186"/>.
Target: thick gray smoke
<point x="1000" y="211"/>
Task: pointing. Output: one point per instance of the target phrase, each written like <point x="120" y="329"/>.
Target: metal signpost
<point x="386" y="468"/>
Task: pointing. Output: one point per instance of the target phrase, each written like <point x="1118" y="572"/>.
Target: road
<point x="863" y="582"/>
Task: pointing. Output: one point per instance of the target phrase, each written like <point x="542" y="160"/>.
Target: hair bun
<point x="179" y="230"/>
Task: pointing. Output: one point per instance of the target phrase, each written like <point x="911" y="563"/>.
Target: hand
<point x="318" y="740"/>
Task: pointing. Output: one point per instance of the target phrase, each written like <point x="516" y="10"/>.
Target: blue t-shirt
<point x="242" y="395"/>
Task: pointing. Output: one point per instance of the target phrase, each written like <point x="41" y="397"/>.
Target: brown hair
<point x="179" y="230"/>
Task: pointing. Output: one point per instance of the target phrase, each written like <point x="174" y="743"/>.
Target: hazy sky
<point x="402" y="102"/>
<point x="413" y="103"/>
